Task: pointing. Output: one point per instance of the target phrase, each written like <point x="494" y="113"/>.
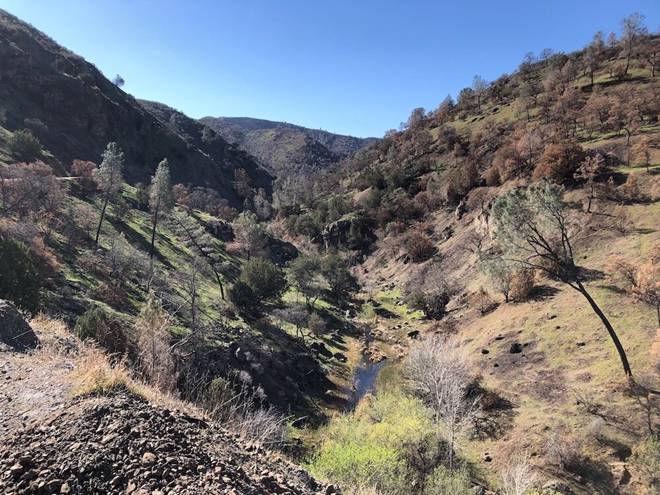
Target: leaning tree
<point x="532" y="228"/>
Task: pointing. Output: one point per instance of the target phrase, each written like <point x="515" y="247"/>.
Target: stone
<point x="148" y="458"/>
<point x="14" y="329"/>
<point x="516" y="348"/>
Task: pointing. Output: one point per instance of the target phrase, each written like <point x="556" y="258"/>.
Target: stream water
<point x="364" y="382"/>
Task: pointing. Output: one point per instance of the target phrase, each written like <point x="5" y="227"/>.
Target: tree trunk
<point x="153" y="232"/>
<point x="98" y="229"/>
<point x="617" y="343"/>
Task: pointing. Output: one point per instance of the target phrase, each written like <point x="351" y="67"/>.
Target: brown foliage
<point x="522" y="284"/>
<point x="419" y="246"/>
<point x="559" y="162"/>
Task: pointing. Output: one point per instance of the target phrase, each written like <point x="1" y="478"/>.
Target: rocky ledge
<point x="121" y="444"/>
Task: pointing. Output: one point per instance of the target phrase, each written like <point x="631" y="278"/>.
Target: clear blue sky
<point x="356" y="67"/>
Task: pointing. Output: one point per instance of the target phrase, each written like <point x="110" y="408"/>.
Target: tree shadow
<point x="543" y="292"/>
<point x="591" y="274"/>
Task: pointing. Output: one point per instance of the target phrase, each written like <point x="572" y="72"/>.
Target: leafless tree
<point x="439" y="370"/>
<point x="518" y="477"/>
<point x="155" y="358"/>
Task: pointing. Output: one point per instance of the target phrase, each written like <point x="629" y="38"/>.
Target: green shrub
<point x="20" y="279"/>
<point x="98" y="325"/>
<point x="242" y="295"/>
<point x="266" y="281"/>
<point x="432" y="303"/>
<point x="444" y="482"/>
<point x="369" y="447"/>
<point x="24" y="146"/>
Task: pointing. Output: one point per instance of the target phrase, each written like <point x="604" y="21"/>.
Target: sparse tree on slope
<point x="161" y="199"/>
<point x="479" y="85"/>
<point x="532" y="228"/>
<point x="109" y="179"/>
<point x="632" y="28"/>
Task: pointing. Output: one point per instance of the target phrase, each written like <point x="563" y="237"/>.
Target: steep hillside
<point x="286" y="148"/>
<point x="416" y="212"/>
<point x="75" y="111"/>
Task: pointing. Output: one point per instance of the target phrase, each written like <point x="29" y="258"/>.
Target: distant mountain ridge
<point x="74" y="110"/>
<point x="285" y="148"/>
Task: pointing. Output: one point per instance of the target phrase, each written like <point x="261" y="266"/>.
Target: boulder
<point x="14" y="329"/>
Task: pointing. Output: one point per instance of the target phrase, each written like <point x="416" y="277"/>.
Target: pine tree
<point x="109" y="179"/>
<point x="161" y="200"/>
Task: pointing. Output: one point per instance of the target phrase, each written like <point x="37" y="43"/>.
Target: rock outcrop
<point x="15" y="332"/>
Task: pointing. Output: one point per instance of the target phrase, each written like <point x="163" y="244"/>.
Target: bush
<point x="443" y="481"/>
<point x="99" y="326"/>
<point x="366" y="448"/>
<point x="20" y="279"/>
<point x="433" y="303"/>
<point x="266" y="281"/>
<point x="646" y="458"/>
<point x="419" y="246"/>
<point x="522" y="284"/>
<point x="242" y="296"/>
<point x="24" y="146"/>
<point x="559" y="162"/>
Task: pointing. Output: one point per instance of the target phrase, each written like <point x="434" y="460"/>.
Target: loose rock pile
<point x="122" y="444"/>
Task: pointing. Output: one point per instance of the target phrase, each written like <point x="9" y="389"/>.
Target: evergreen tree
<point x="109" y="179"/>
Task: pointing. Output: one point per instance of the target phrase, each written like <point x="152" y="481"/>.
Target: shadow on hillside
<point x="137" y="239"/>
<point x="543" y="292"/>
<point x="591" y="274"/>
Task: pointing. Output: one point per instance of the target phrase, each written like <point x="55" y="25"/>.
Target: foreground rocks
<point x="15" y="332"/>
<point x="121" y="444"/>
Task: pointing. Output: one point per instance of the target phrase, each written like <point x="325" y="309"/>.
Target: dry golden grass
<point x="89" y="370"/>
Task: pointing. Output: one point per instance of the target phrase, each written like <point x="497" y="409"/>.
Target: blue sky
<point x="356" y="67"/>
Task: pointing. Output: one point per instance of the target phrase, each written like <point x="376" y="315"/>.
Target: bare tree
<point x="155" y="358"/>
<point x="632" y="29"/>
<point x="439" y="370"/>
<point x="297" y="315"/>
<point x="518" y="477"/>
<point x="479" y="86"/>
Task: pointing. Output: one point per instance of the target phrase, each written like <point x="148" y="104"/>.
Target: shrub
<point x="24" y="146"/>
<point x="443" y="481"/>
<point x="432" y="303"/>
<point x="419" y="246"/>
<point x="559" y="162"/>
<point x="646" y="458"/>
<point x="522" y="284"/>
<point x="99" y="326"/>
<point x="266" y="281"/>
<point x="365" y="449"/>
<point x="242" y="296"/>
<point x="20" y="279"/>
<point x="482" y="301"/>
<point x="240" y="413"/>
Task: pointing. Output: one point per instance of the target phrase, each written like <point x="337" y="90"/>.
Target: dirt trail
<point x="31" y="387"/>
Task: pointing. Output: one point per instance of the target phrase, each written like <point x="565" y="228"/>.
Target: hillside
<point x="416" y="211"/>
<point x="75" y="111"/>
<point x="284" y="148"/>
